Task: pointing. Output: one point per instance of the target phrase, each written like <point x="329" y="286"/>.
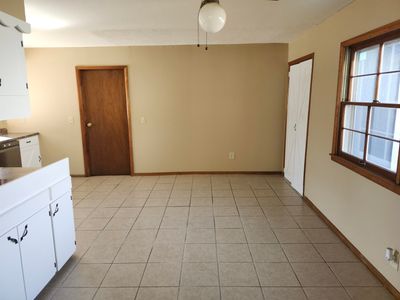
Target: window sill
<point x="382" y="181"/>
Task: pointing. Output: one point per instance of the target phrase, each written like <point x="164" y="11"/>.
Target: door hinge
<point x="27" y="87"/>
<point x="55" y="265"/>
<point x="49" y="213"/>
<point x="75" y="243"/>
<point x="22" y="43"/>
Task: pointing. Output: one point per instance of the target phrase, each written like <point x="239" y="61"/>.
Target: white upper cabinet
<point x="14" y="100"/>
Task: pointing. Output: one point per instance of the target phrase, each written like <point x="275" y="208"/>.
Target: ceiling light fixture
<point x="211" y="18"/>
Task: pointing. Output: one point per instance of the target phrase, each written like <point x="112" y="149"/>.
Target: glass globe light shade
<point x="212" y="17"/>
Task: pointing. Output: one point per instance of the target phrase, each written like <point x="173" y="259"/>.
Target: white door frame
<point x="292" y="63"/>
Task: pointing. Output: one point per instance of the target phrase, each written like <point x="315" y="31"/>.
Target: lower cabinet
<point x="63" y="229"/>
<point x="37" y="252"/>
<point x="11" y="277"/>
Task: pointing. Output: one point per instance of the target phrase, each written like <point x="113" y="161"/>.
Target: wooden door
<point x="105" y="120"/>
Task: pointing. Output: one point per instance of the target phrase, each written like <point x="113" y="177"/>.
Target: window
<point x="367" y="124"/>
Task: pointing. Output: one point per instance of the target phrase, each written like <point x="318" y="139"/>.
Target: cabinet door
<point x="11" y="278"/>
<point x="63" y="229"/>
<point x="37" y="252"/>
<point x="30" y="157"/>
<point x="12" y="63"/>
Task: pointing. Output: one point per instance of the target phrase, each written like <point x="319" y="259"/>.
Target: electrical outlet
<point x="231" y="155"/>
<point x="393" y="258"/>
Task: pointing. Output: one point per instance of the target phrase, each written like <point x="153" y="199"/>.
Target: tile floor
<point x="204" y="237"/>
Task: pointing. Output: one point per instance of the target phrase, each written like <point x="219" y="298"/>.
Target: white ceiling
<point x="78" y="23"/>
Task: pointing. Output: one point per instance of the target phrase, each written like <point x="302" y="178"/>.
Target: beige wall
<point x="15" y="8"/>
<point x="365" y="212"/>
<point x="198" y="105"/>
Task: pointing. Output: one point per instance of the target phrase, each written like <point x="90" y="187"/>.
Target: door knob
<point x="89" y="124"/>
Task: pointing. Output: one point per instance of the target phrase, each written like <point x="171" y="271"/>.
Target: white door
<point x="63" y="229"/>
<point x="297" y="123"/>
<point x="37" y="252"/>
<point x="30" y="156"/>
<point x="11" y="278"/>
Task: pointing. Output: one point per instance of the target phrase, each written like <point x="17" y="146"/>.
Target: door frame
<point x="291" y="63"/>
<point x="86" y="158"/>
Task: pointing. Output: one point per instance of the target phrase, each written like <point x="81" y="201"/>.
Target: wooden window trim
<point x="374" y="173"/>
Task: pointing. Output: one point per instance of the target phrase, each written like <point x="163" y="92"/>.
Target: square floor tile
<point x="284" y="293"/>
<point x="161" y="274"/>
<point x="200" y="253"/>
<point x="321" y="236"/>
<point x="228" y="222"/>
<point x="238" y="274"/>
<point x="157" y="293"/>
<point x="315" y="274"/>
<point x="330" y="293"/>
<point x="354" y="274"/>
<point x="233" y="253"/>
<point x="241" y="293"/>
<point x="250" y="211"/>
<point x="276" y="274"/>
<point x="201" y="201"/>
<point x="267" y="253"/>
<point x="87" y="275"/>
<point x="336" y="253"/>
<point x="116" y="293"/>
<point x="309" y="222"/>
<point x="260" y="235"/>
<point x="225" y="211"/>
<point x="295" y="236"/>
<point x="123" y="275"/>
<point x="74" y="294"/>
<point x="301" y="253"/>
<point x="166" y="252"/>
<point x="200" y="236"/>
<point x="199" y="274"/>
<point x="230" y="236"/>
<point x="201" y="222"/>
<point x="199" y="293"/>
<point x="171" y="235"/>
<point x="133" y="253"/>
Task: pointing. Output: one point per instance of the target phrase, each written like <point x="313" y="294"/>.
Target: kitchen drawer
<point x="60" y="188"/>
<point x="29" y="141"/>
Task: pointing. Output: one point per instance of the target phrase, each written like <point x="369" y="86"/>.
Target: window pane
<point x="355" y="117"/>
<point x="363" y="89"/>
<point x="353" y="143"/>
<point x="389" y="86"/>
<point x="366" y="61"/>
<point x="383" y="122"/>
<point x="383" y="153"/>
<point x="391" y="56"/>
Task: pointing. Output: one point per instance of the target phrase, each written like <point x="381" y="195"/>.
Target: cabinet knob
<point x="89" y="125"/>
